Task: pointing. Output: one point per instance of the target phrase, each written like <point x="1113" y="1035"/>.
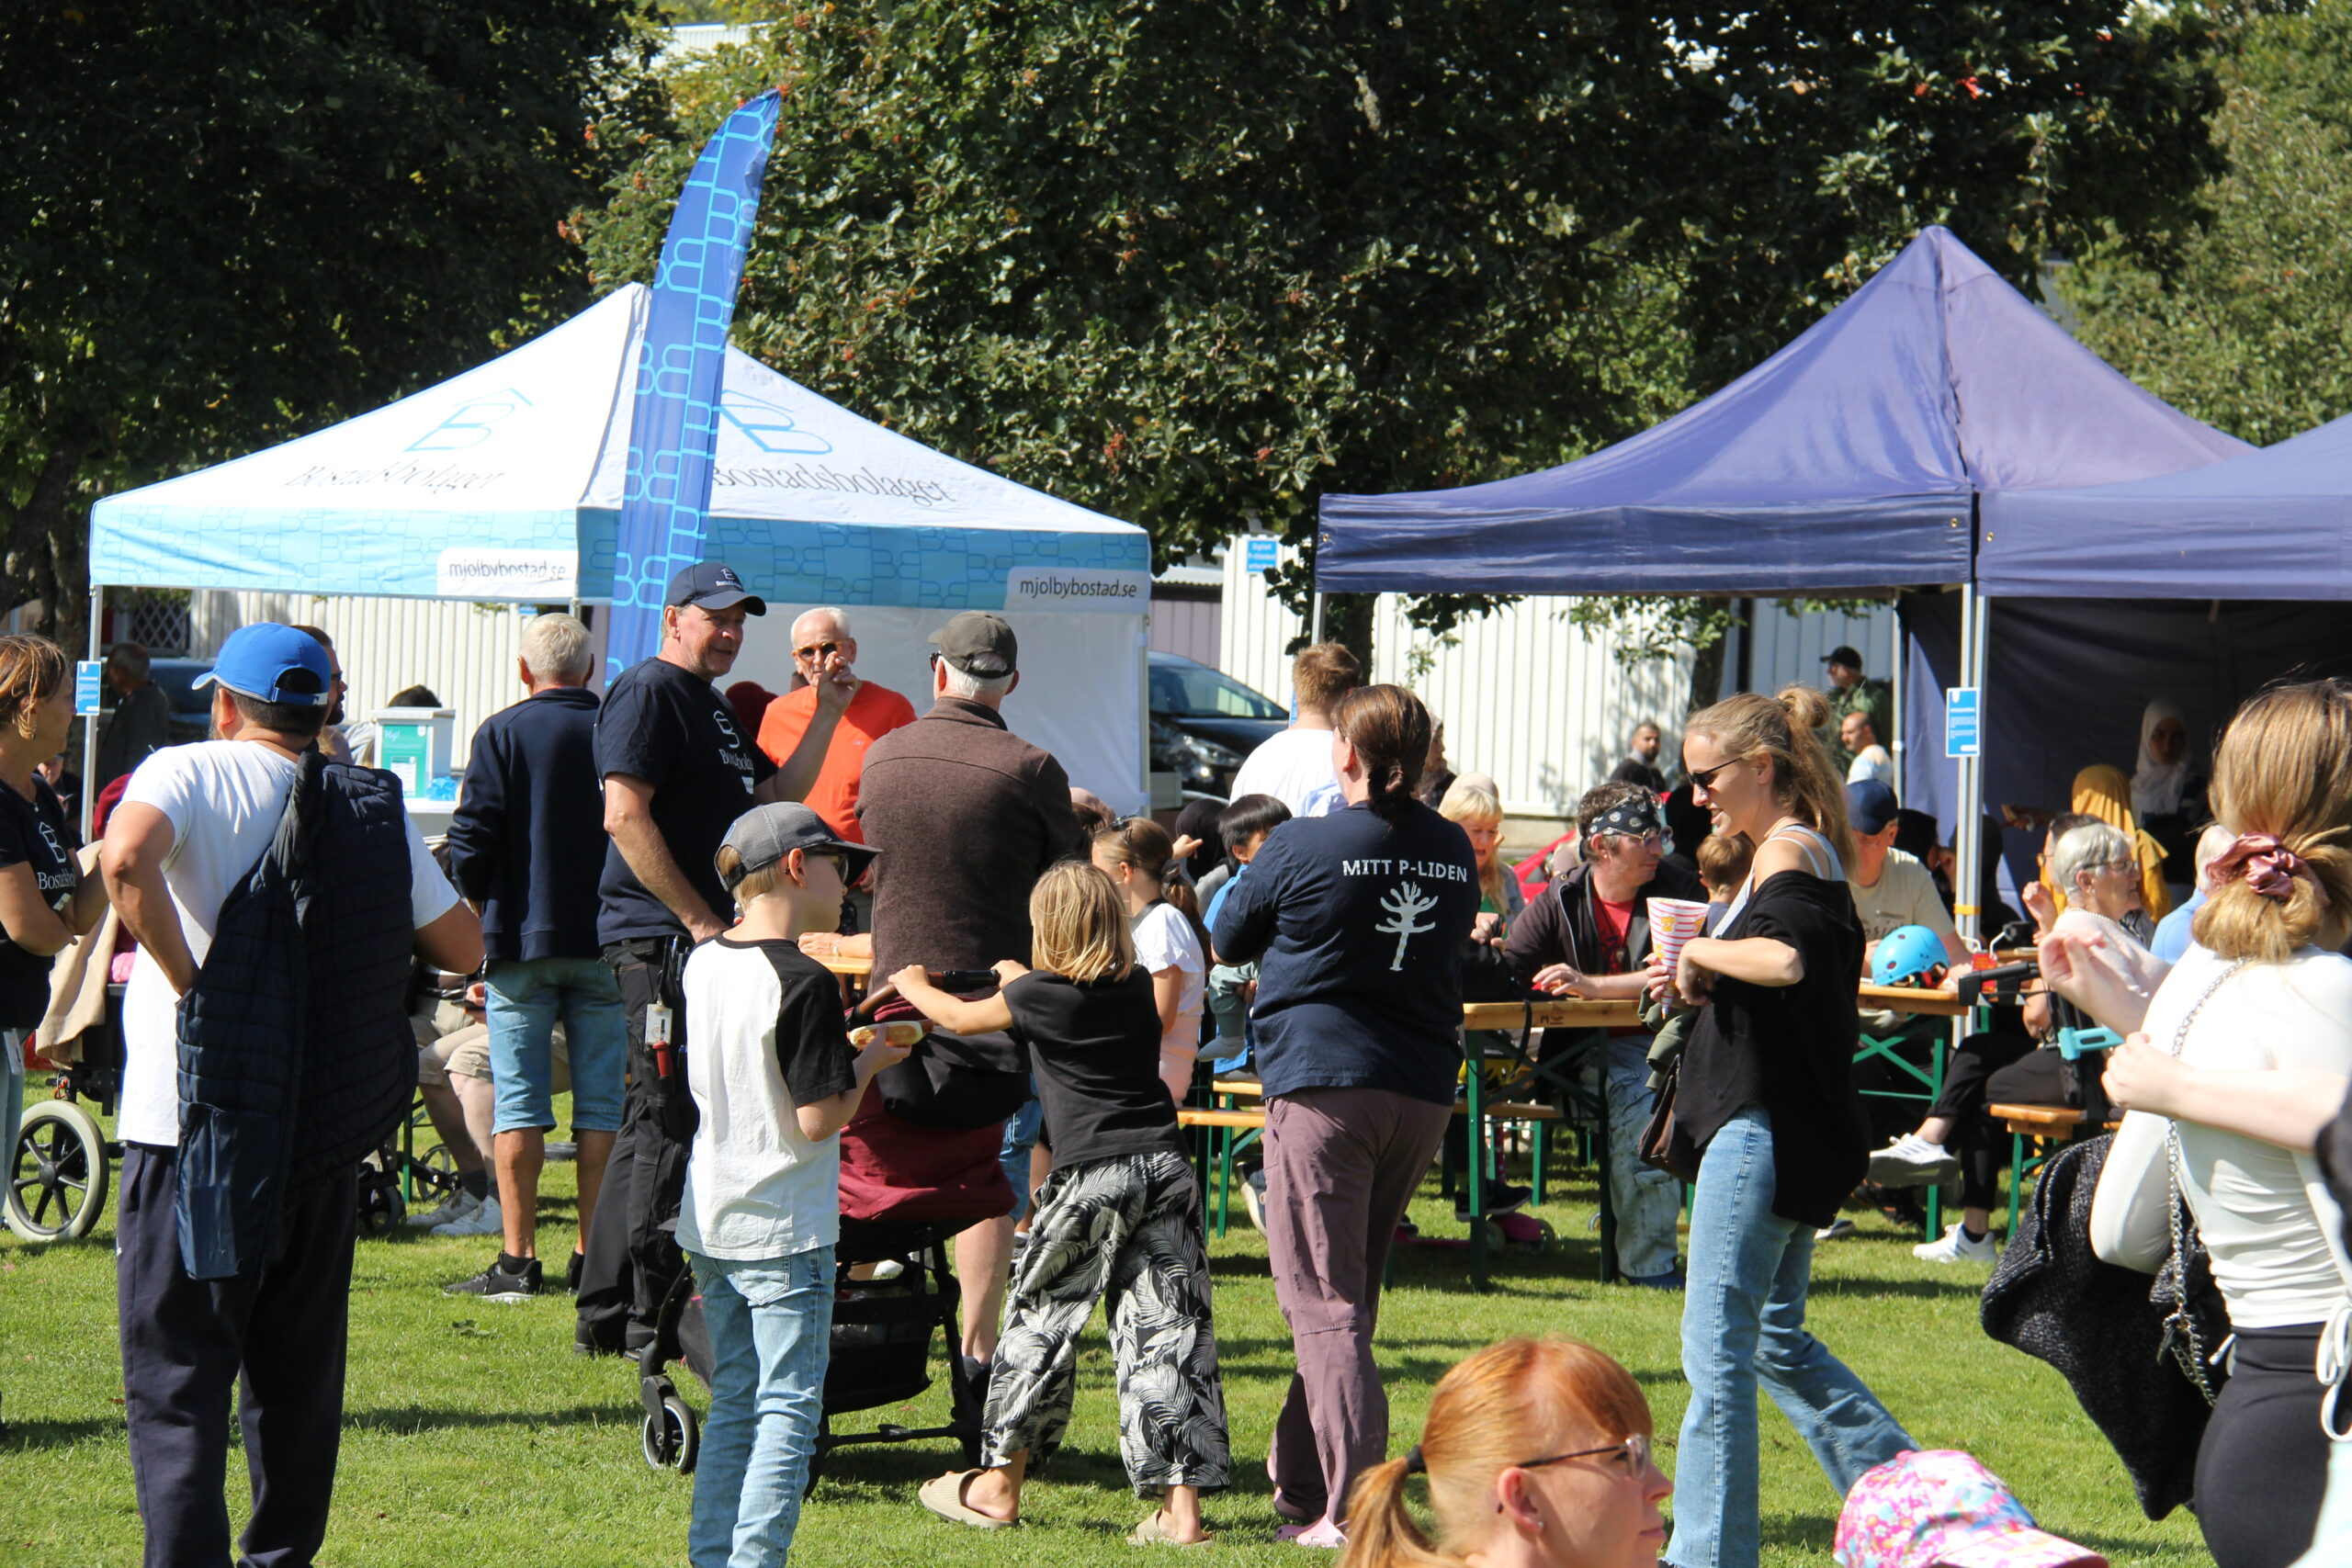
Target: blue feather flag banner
<point x="673" y="422"/>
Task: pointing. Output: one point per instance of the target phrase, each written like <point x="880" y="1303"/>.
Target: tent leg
<point x="1968" y="844"/>
<point x="1314" y="627"/>
<point x="90" y="725"/>
<point x="1896" y="676"/>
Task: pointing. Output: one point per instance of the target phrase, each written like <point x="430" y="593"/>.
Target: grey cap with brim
<point x="765" y="834"/>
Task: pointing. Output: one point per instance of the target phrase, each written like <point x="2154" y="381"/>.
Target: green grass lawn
<point x="473" y="1434"/>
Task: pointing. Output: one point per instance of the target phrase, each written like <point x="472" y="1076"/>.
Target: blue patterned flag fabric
<point x="674" y="423"/>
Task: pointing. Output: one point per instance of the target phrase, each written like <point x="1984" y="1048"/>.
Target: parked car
<point x="191" y="709"/>
<point x="1204" y="723"/>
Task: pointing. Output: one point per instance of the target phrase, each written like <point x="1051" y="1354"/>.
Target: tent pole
<point x="1894" y="742"/>
<point x="90" y="725"/>
<point x="1967" y="839"/>
<point x="1314" y="629"/>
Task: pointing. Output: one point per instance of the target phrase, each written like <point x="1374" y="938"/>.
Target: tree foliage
<point x="2245" y="319"/>
<point x="223" y="225"/>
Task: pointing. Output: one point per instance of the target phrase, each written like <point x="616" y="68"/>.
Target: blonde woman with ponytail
<point x="1537" y="1455"/>
<point x="1766" y="1093"/>
<point x="2259" y="1011"/>
<point x="1358" y="921"/>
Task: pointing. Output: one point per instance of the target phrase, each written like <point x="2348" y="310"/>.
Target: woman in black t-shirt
<point x="1119" y="1219"/>
<point x="45" y="902"/>
<point x="1766" y="1090"/>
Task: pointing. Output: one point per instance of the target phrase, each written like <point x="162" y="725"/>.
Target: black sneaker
<point x="1497" y="1198"/>
<point x="571" y="1273"/>
<point x="498" y="1283"/>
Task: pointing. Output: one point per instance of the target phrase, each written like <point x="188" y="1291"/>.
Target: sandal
<point x="1153" y="1531"/>
<point x="945" y="1496"/>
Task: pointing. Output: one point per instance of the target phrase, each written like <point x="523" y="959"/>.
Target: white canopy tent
<point x="504" y="484"/>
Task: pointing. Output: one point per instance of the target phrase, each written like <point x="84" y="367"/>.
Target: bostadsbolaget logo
<point x="1077" y="588"/>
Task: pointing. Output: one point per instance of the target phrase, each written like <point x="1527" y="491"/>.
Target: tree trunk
<point x="1707" y="673"/>
<point x="51" y="542"/>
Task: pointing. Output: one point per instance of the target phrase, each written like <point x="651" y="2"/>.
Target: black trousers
<point x="275" y="1334"/>
<point x="2262" y="1466"/>
<point x="2006" y="1068"/>
<point x="631" y="1259"/>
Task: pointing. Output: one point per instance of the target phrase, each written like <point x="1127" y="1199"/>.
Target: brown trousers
<point x="1341" y="1166"/>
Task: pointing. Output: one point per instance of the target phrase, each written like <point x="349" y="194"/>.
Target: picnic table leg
<point x="1475" y="1176"/>
<point x="1541" y="1144"/>
<point x="1224" y="1180"/>
<point x="1609" y="1274"/>
<point x="1934" y="1093"/>
<point x="2017" y="1180"/>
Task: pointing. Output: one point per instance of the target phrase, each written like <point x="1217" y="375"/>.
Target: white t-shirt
<point x="2262" y="1211"/>
<point x="1871" y="762"/>
<point x="224" y="799"/>
<point x="1294" y="767"/>
<point x="1165" y="939"/>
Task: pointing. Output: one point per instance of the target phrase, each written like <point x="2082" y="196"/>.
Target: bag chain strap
<point x="2182" y="1322"/>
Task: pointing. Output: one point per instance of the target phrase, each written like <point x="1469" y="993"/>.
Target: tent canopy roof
<point x="2270" y="524"/>
<point x="1849" y="459"/>
<point x="504" y="482"/>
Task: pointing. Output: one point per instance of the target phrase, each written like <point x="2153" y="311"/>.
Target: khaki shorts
<point x="465" y="1052"/>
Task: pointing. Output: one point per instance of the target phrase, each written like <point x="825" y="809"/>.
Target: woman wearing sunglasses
<point x="1537" y="1453"/>
<point x="1767" y="1094"/>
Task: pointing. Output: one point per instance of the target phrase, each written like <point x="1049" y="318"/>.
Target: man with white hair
<point x="529" y="812"/>
<point x="822" y="647"/>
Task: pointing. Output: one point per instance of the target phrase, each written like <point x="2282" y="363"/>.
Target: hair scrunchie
<point x="1413" y="1463"/>
<point x="2265" y="865"/>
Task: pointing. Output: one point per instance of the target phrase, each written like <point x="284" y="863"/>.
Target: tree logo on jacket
<point x="1406" y="903"/>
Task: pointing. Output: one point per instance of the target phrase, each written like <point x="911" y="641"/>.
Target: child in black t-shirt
<point x="1119" y="1219"/>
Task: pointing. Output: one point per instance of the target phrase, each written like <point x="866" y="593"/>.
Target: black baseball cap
<point x="713" y="586"/>
<point x="1845" y="656"/>
<point x="978" y="643"/>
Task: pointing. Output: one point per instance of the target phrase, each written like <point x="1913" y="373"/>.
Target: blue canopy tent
<point x="2197" y="587"/>
<point x="1850" y="459"/>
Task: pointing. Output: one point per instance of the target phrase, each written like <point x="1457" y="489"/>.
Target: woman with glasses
<point x="2093" y="864"/>
<point x="1587" y="934"/>
<point x="1767" y="1093"/>
<point x="1537" y="1454"/>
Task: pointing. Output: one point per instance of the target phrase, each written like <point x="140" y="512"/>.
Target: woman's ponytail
<point x="1784" y="729"/>
<point x="1390" y="731"/>
<point x="1382" y="1532"/>
<point x="2282" y="781"/>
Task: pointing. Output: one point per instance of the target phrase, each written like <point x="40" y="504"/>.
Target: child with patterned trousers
<point x="1118" y="1221"/>
<point x="774" y="1079"/>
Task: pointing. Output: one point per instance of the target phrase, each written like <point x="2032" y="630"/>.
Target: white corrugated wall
<point x="464" y="651"/>
<point x="1787" y="647"/>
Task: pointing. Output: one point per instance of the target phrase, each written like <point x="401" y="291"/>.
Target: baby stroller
<point x="906" y="1191"/>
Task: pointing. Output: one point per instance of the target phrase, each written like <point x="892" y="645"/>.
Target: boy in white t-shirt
<point x="774" y="1079"/>
<point x="1294" y="765"/>
<point x="1134" y="854"/>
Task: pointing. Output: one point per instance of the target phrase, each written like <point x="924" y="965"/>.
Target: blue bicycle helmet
<point x="1908" y="954"/>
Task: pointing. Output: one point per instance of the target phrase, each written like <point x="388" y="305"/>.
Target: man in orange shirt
<point x="822" y="647"/>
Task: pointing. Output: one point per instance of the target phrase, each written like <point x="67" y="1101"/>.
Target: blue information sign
<point x="1962" y="716"/>
<point x="1259" y="555"/>
<point x="87" y="675"/>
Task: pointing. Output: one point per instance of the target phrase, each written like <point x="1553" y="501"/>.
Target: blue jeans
<point x="1021" y="1131"/>
<point x="771" y="1322"/>
<point x="1646" y="1201"/>
<point x="1743" y="1319"/>
<point x="525" y="1000"/>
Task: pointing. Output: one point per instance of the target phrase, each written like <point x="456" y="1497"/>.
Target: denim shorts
<point x="1020" y="1136"/>
<point x="526" y="1000"/>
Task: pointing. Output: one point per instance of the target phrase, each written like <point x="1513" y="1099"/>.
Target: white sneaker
<point x="485" y="1220"/>
<point x="1836" y="1230"/>
<point x="455" y="1206"/>
<point x="1956" y="1247"/>
<point x="1912" y="1161"/>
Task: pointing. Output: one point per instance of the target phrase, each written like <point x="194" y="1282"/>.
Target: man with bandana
<point x="1587" y="934"/>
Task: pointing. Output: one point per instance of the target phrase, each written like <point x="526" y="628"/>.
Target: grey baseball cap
<point x="765" y="834"/>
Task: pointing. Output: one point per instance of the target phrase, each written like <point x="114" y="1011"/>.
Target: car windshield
<point x="1195" y="691"/>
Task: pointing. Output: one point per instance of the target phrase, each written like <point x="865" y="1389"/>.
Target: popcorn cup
<point x="1673" y="922"/>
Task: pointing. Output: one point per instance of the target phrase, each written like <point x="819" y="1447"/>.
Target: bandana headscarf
<point x="2265" y="865"/>
<point x="2156" y="787"/>
<point x="1633" y="818"/>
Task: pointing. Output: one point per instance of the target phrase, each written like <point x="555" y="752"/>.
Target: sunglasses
<point x="1704" y="778"/>
<point x="1636" y="1450"/>
<point x="1662" y="842"/>
<point x="821" y="650"/>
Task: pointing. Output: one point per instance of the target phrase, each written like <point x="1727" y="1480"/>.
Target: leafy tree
<point x="223" y="225"/>
<point x="1196" y="262"/>
<point x="2245" y="320"/>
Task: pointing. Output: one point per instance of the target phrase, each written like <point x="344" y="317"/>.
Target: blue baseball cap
<point x="714" y="586"/>
<point x="256" y="660"/>
<point x="1870" y="806"/>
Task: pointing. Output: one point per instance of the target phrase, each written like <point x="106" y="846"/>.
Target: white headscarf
<point x="2156" y="787"/>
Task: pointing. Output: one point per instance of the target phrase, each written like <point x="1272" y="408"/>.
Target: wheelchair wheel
<point x="671" y="1440"/>
<point x="381" y="1208"/>
<point x="57" y="1174"/>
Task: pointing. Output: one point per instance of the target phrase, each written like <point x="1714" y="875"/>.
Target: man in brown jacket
<point x="965" y="815"/>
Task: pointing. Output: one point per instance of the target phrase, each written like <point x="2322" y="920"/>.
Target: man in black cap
<point x="965" y="815"/>
<point x="678" y="769"/>
<point x="1850" y="691"/>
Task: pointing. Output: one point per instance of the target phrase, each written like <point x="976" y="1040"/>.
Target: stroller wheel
<point x="671" y="1440"/>
<point x="55" y="1183"/>
<point x="381" y="1209"/>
